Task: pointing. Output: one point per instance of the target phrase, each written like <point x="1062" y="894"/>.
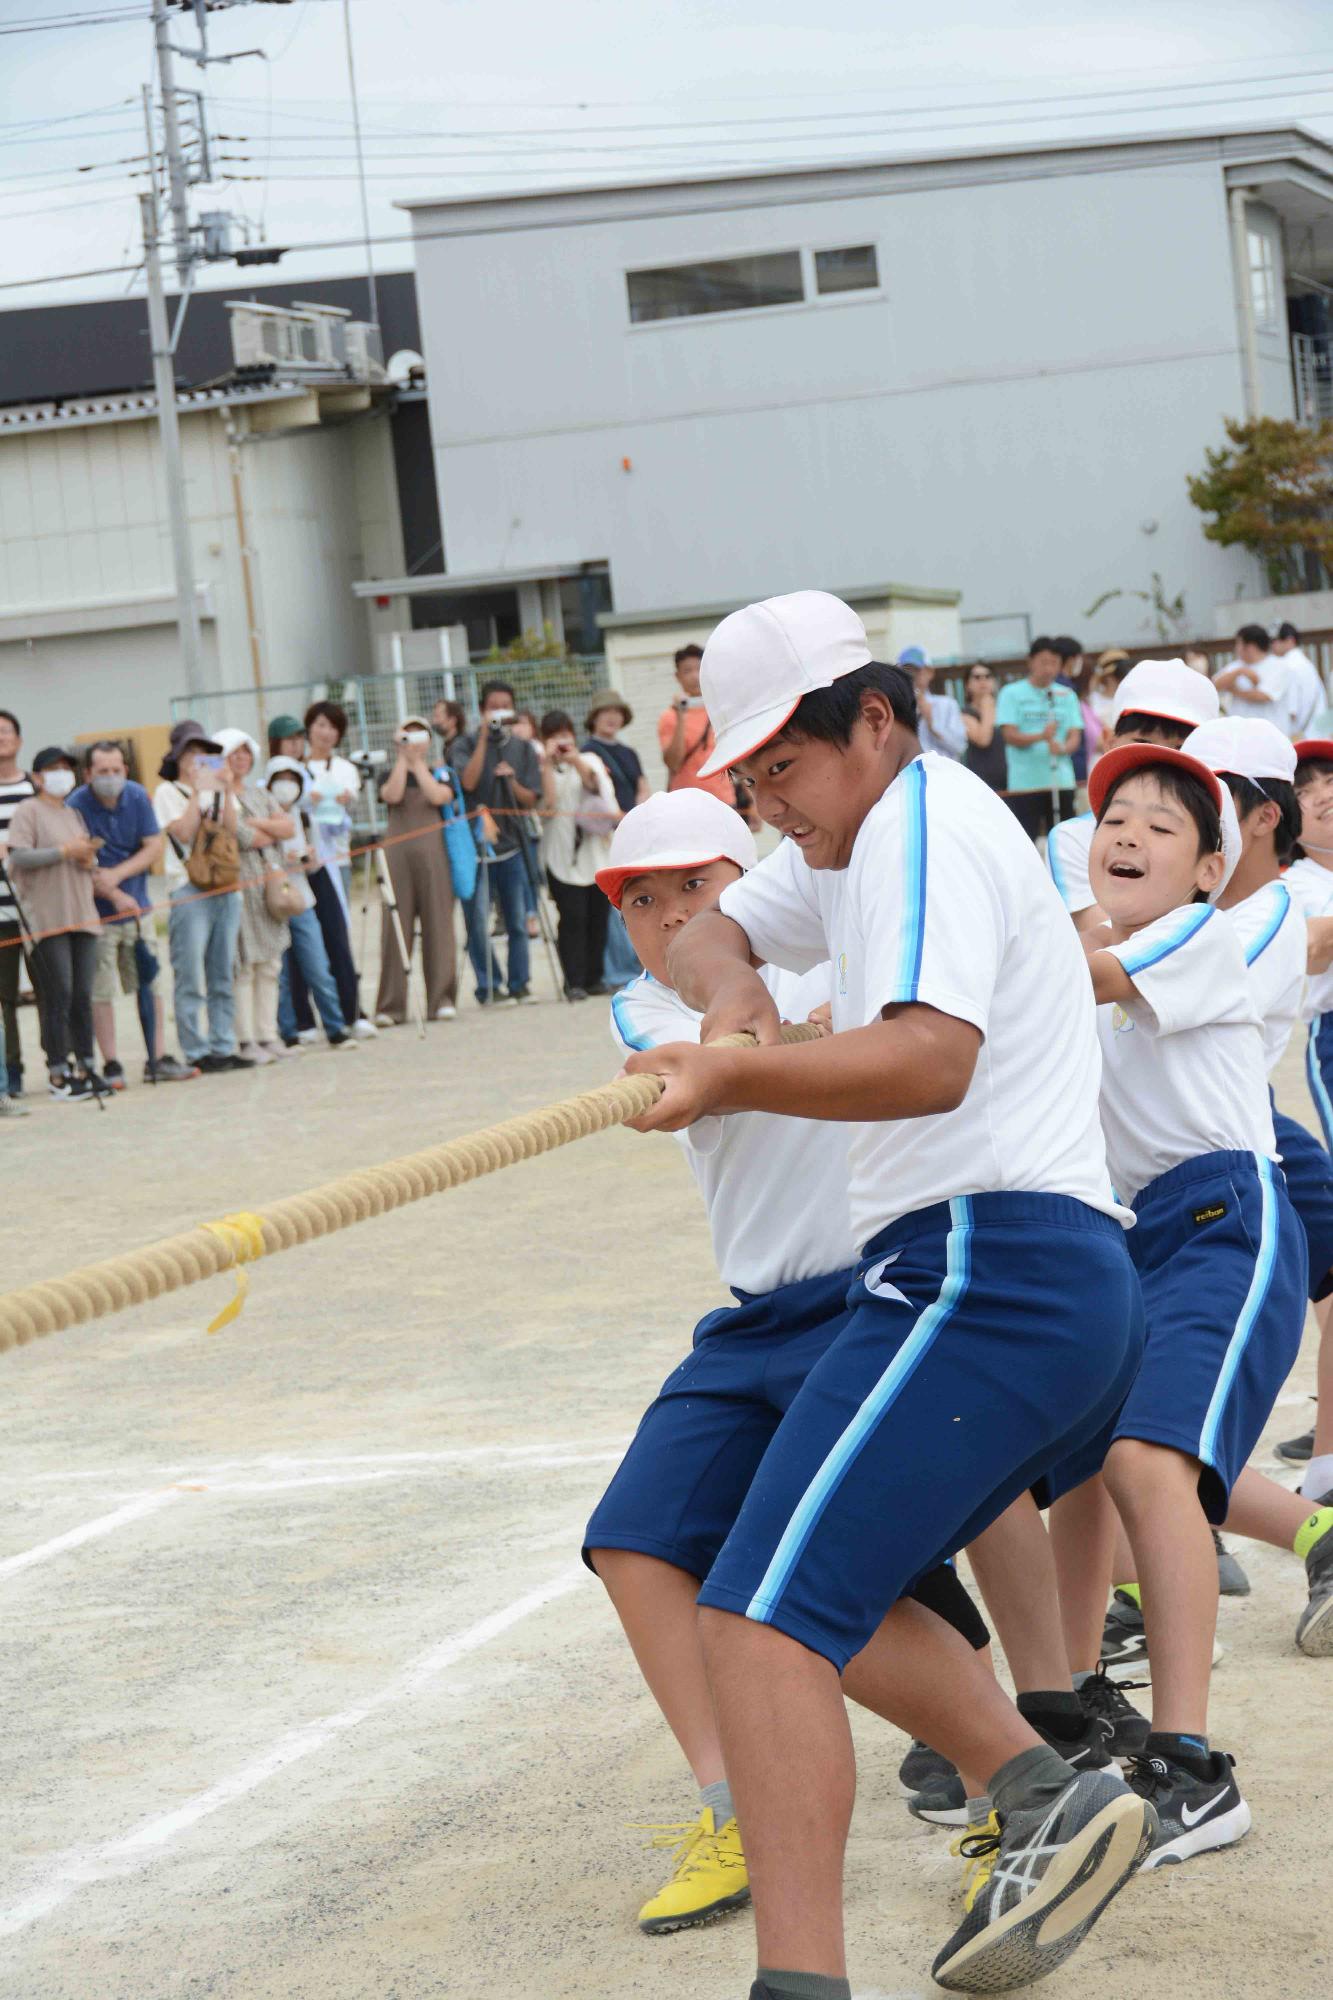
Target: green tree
<point x="542" y="645"/>
<point x="1270" y="490"/>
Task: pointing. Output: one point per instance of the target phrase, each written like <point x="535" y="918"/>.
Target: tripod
<point x="531" y="869"/>
<point x="390" y="902"/>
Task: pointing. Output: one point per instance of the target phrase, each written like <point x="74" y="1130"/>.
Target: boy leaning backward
<point x="1219" y="1248"/>
<point x="775" y="1189"/>
<point x="995" y="1320"/>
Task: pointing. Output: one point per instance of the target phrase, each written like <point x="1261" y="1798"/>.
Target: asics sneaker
<point x="1106" y="1700"/>
<point x="1314" y="1633"/>
<point x="1195" y="1811"/>
<point x="1055" y="1868"/>
<point x="977" y="1849"/>
<point x="709" y="1877"/>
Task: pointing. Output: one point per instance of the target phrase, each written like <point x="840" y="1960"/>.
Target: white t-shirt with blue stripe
<point x="775" y="1188"/>
<point x="1068" y="846"/>
<point x="1311" y="886"/>
<point x="1271" y="928"/>
<point x="945" y="902"/>
<point x="1183" y="1064"/>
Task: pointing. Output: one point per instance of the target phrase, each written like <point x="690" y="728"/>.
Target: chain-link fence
<point x="377" y="704"/>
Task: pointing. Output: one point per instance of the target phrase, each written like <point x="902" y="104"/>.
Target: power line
<point x="67" y="21"/>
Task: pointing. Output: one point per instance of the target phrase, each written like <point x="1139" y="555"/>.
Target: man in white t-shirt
<point x="1306" y="695"/>
<point x="1258" y="683"/>
<point x="991" y="1256"/>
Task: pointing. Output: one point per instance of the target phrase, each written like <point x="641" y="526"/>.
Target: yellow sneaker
<point x="709" y="1877"/>
<point x="977" y="1849"/>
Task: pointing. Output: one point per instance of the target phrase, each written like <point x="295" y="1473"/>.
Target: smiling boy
<point x="996" y="1323"/>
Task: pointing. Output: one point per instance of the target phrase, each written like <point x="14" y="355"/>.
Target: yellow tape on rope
<point x="226" y="1244"/>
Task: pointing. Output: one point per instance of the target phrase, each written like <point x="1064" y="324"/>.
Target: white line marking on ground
<point x="91" y="1531"/>
<point x="80" y="1866"/>
<point x="503" y="1454"/>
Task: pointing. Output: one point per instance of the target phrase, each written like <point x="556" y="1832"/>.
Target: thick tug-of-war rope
<point x="234" y="1240"/>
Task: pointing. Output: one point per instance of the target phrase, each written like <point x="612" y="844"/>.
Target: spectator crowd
<point x="511" y="818"/>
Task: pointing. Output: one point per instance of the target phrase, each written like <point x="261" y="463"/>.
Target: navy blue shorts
<point x="1221" y="1257"/>
<point x="1319" y="1071"/>
<point x="679" y="1488"/>
<point x="1308" y="1172"/>
<point x="990" y="1338"/>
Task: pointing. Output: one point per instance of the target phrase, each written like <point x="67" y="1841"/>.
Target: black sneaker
<point x="216" y="1065"/>
<point x="1296" y="1451"/>
<point x="1124" y="1641"/>
<point x="1195" y="1811"/>
<point x="923" y="1767"/>
<point x="1105" y="1699"/>
<point x="1056" y="1869"/>
<point x="170" y="1069"/>
<point x="114" y="1074"/>
<point x="1231" y="1578"/>
<point x="943" y="1801"/>
<point x="1314" y="1633"/>
<point x="82" y="1090"/>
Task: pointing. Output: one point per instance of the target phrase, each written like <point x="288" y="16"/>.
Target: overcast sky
<point x="461" y="95"/>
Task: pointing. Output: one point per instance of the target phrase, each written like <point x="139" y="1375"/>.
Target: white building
<point x="987" y="370"/>
<point x="291" y="496"/>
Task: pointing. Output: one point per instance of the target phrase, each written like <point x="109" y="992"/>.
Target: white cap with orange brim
<point x="684" y="829"/>
<point x="762" y="660"/>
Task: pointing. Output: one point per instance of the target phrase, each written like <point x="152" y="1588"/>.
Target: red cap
<point x="1315" y="749"/>
<point x="1108" y="770"/>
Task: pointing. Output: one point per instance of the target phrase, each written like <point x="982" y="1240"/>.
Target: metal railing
<point x="1312" y="378"/>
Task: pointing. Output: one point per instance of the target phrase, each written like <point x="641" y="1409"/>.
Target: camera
<point x="497" y="723"/>
<point x="368" y="762"/>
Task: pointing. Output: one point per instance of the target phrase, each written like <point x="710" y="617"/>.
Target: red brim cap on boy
<point x="1117" y="764"/>
<point x="685" y="829"/>
<point x="1314" y="750"/>
<point x="761" y="661"/>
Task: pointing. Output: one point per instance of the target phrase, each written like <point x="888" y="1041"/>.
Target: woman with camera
<point x="196" y="809"/>
<point x="265" y="933"/>
<point x="423" y="886"/>
<point x="581" y="812"/>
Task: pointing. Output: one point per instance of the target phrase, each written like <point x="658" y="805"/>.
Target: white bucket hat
<point x="684" y="829"/>
<point x="761" y="661"/>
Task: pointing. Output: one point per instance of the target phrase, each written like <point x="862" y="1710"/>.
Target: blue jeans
<point x="620" y="961"/>
<point x="311" y="955"/>
<point x="201" y="936"/>
<point x="507" y="884"/>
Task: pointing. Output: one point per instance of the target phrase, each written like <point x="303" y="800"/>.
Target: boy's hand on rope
<point x="742" y="1005"/>
<point x="695" y="1080"/>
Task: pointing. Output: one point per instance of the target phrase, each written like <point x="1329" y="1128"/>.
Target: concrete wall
<point x="1015" y="412"/>
<point x="87" y="633"/>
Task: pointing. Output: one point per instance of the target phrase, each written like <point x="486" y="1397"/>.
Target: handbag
<point x="459" y="843"/>
<point x="282" y="898"/>
<point x="214" y="860"/>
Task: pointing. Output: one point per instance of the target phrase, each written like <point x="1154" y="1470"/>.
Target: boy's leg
<point x="1085" y="1531"/>
<point x="1156" y="1491"/>
<point x="655" y="1603"/>
<point x="1015" y="1572"/>
<point x="1318" y="1477"/>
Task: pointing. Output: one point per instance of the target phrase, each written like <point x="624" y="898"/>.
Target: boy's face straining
<point x="657" y="905"/>
<point x="1145" y="858"/>
<point x="817" y="794"/>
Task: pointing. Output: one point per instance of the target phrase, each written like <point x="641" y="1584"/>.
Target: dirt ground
<point x="309" y="1698"/>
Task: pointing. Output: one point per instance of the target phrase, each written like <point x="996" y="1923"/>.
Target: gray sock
<point x="801" y="1986"/>
<point x="1033" y="1779"/>
<point x="1088" y="1674"/>
<point x="718" y="1796"/>
<point x="979" y="1810"/>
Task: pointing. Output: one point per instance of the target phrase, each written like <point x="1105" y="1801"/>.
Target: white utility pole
<point x="171" y="131"/>
<point x="164" y="381"/>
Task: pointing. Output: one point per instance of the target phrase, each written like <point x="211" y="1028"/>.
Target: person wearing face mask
<point x="264" y="936"/>
<point x="307" y="959"/>
<point x="413" y="794"/>
<point x="198" y="793"/>
<point x="119" y="813"/>
<point x="52" y="857"/>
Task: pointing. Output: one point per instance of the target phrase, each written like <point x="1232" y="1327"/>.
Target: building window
<point x="732" y="284"/>
<point x="855" y="270"/>
<point x="1264" y="280"/>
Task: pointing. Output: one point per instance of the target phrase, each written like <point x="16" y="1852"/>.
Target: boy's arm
<point x="713" y="970"/>
<point x="1110" y="981"/>
<point x="912" y="1063"/>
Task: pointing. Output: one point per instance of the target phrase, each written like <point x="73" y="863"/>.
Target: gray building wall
<point x="1015" y="412"/>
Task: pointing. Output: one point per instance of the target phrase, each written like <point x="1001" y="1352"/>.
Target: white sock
<point x="1318" y="1478"/>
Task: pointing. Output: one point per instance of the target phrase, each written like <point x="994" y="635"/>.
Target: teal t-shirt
<point x="1032" y="767"/>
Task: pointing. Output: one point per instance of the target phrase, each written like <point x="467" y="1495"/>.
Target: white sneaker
<point x="255" y="1052"/>
<point x="446" y="1013"/>
<point x="364" y="1030"/>
<point x="307" y="1035"/>
<point x="385" y="1021"/>
<point x="278" y="1050"/>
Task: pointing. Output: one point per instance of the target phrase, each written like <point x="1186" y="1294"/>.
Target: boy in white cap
<point x="1158" y="701"/>
<point x="995" y="1322"/>
<point x="1219" y="1249"/>
<point x="776" y="1194"/>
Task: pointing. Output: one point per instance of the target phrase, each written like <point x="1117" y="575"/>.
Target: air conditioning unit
<point x="300" y="340"/>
